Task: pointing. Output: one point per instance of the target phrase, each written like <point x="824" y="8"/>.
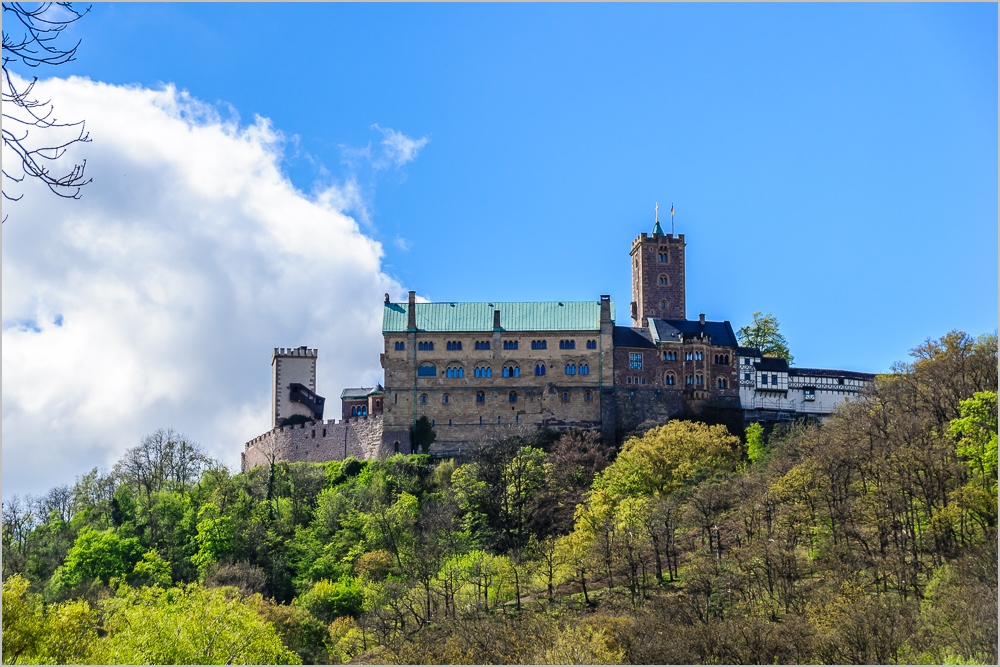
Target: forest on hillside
<point x="871" y="538"/>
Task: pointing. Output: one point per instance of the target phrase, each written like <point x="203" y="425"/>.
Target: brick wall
<point x="651" y="298"/>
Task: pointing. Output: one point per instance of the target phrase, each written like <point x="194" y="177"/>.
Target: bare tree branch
<point x="25" y="116"/>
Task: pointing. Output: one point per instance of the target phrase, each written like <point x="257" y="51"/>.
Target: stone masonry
<point x="317" y="441"/>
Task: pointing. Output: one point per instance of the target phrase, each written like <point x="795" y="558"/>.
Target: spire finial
<point x="657" y="230"/>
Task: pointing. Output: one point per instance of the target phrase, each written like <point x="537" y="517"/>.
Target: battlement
<point x="301" y="351"/>
<point x="317" y="441"/>
<point x="666" y="238"/>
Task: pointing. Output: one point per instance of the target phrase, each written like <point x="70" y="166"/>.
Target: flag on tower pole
<point x="671" y="219"/>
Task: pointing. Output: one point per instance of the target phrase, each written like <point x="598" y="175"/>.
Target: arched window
<point x="427" y="370"/>
<point x="688" y="379"/>
<point x="354" y="411"/>
<point x="480" y="398"/>
<point x="664" y="279"/>
<point x="584" y="369"/>
<point x="478" y="372"/>
<point x="668" y="378"/>
<point x="565" y="397"/>
<point x="587" y="396"/>
<point x="699" y="380"/>
<point x="721" y="383"/>
<point x="539" y="369"/>
<point x="489" y="372"/>
<point x="423" y="399"/>
<point x="663" y="305"/>
<point x="506" y="371"/>
<point x="570" y="369"/>
<point x="512" y="397"/>
<point x="446" y="399"/>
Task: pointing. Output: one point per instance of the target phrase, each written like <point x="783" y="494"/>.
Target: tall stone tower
<point x="293" y="384"/>
<point x="657" y="277"/>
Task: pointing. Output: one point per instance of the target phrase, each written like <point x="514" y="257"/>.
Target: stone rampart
<point x="317" y="441"/>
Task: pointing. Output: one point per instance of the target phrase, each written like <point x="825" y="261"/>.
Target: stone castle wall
<point x="317" y="441"/>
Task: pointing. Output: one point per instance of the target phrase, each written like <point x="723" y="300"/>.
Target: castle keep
<point x="470" y="367"/>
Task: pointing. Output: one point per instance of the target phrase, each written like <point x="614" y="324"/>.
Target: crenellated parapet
<point x="317" y="441"/>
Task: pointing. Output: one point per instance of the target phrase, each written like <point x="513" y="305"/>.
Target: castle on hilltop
<point x="470" y="367"/>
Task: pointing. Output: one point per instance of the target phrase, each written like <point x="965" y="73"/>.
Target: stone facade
<point x="468" y="381"/>
<point x="317" y="441"/>
<point x="291" y="365"/>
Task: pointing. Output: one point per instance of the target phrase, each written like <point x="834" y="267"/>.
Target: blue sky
<point x="834" y="164"/>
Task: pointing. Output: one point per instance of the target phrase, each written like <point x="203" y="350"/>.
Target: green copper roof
<point x="514" y="316"/>
<point x="657" y="230"/>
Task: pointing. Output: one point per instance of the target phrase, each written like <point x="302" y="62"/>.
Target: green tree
<point x="151" y="569"/>
<point x="422" y="435"/>
<point x="663" y="459"/>
<point x="188" y="625"/>
<point x="763" y="334"/>
<point x="976" y="433"/>
<point x="327" y="600"/>
<point x="215" y="537"/>
<point x="755" y="442"/>
<point x="59" y="634"/>
<point x="99" y="554"/>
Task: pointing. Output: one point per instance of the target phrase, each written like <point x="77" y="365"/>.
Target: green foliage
<point x="869" y="538"/>
<point x="327" y="600"/>
<point x="59" y="634"/>
<point x="976" y="433"/>
<point x="188" y="625"/>
<point x="99" y="554"/>
<point x="666" y="458"/>
<point x="763" y="334"/>
<point x="294" y="420"/>
<point x="151" y="570"/>
<point x="215" y="537"/>
<point x="422" y="435"/>
<point x="755" y="442"/>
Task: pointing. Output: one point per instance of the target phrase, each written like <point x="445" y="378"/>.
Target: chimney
<point x="635" y="313"/>
<point x="605" y="308"/>
<point x="496" y="319"/>
<point x="701" y="319"/>
<point x="411" y="313"/>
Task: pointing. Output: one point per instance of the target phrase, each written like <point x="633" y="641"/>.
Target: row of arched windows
<point x="572" y="369"/>
<point x="722" y="359"/>
<point x="480" y="398"/>
<point x="359" y="410"/>
<point x="455" y="372"/>
<point x="484" y="372"/>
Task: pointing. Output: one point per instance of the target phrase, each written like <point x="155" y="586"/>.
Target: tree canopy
<point x="763" y="333"/>
<point x="868" y="538"/>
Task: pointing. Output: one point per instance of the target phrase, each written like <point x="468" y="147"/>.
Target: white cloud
<point x="399" y="148"/>
<point x="402" y="244"/>
<point x="156" y="299"/>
